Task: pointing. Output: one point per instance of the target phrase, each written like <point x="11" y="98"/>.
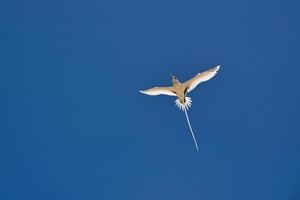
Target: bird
<point x="180" y="90"/>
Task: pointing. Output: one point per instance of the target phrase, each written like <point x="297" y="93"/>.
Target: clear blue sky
<point x="73" y="125"/>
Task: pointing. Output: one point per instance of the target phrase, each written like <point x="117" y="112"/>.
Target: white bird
<point x="181" y="89"/>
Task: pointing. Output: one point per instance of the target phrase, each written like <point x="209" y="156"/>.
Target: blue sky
<point x="73" y="125"/>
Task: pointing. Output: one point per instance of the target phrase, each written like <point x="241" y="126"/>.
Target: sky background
<point x="74" y="126"/>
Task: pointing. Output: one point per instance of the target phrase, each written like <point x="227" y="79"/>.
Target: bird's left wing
<point x="158" y="91"/>
<point x="201" y="77"/>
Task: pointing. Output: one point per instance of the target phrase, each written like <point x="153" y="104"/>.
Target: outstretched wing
<point x="201" y="77"/>
<point x="158" y="91"/>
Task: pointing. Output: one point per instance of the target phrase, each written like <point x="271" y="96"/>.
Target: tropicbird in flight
<point x="181" y="89"/>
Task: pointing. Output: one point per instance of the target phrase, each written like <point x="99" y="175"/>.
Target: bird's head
<point x="173" y="77"/>
<point x="174" y="80"/>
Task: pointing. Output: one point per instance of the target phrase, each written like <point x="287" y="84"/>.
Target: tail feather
<point x="185" y="107"/>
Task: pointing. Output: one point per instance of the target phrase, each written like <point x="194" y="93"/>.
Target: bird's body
<point x="181" y="89"/>
<point x="178" y="89"/>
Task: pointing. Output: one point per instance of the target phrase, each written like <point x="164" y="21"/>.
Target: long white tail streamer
<point x="187" y="118"/>
<point x="184" y="107"/>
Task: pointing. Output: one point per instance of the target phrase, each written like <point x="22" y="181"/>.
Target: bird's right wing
<point x="158" y="91"/>
<point x="201" y="77"/>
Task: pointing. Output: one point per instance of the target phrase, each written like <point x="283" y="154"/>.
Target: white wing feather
<point x="158" y="91"/>
<point x="201" y="77"/>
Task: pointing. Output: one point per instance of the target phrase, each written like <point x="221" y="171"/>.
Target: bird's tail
<point x="188" y="120"/>
<point x="183" y="106"/>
